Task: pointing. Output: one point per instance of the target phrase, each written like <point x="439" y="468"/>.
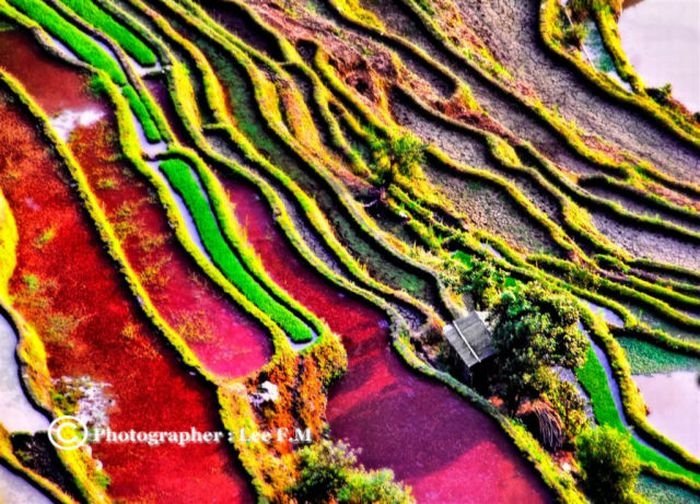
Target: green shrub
<point x="485" y="283"/>
<point x="534" y="329"/>
<point x="397" y="157"/>
<point x="569" y="405"/>
<point x="374" y="486"/>
<point x="609" y="465"/>
<point x="324" y="470"/>
<point x="329" y="472"/>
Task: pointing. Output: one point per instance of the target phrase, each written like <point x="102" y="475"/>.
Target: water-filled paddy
<point x="673" y="400"/>
<point x="432" y="439"/>
<point x="16" y="412"/>
<point x="662" y="40"/>
<point x="14" y="489"/>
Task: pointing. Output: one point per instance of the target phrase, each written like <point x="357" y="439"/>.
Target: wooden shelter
<point x="470" y="336"/>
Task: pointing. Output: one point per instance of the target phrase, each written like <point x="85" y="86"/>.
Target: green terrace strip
<point x="147" y="114"/>
<point x="307" y="204"/>
<point x="87" y="49"/>
<point x="183" y="180"/>
<point x="187" y="179"/>
<point x="90" y="52"/>
<point x="262" y="98"/>
<point x="104" y="22"/>
<point x="142" y="114"/>
<point x="594" y="379"/>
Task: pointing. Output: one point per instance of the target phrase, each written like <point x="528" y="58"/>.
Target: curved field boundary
<point x="266" y="98"/>
<point x="9" y="461"/>
<point x="557" y="125"/>
<point x="32" y="359"/>
<point x="603" y="17"/>
<point x="296" y="331"/>
<point x="425" y="223"/>
<point x="179" y="88"/>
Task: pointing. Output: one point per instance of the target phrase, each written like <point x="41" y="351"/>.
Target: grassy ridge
<point x="180" y="176"/>
<point x="144" y="116"/>
<point x="89" y="51"/>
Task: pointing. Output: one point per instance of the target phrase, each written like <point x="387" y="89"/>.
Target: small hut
<point x="471" y="339"/>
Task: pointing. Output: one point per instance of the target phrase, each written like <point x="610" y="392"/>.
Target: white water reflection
<point x="610" y="316"/>
<point x="673" y="400"/>
<point x="143" y="71"/>
<point x="68" y="120"/>
<point x="16" y="412"/>
<point x="63" y="50"/>
<point x="15" y="490"/>
<point x="662" y="40"/>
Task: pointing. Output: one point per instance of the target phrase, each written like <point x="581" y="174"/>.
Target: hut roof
<point x="471" y="337"/>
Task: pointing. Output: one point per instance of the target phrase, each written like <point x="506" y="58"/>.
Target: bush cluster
<point x="609" y="466"/>
<point x="329" y="472"/>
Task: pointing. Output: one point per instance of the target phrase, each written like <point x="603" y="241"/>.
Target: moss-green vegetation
<point x="660" y="492"/>
<point x="142" y="115"/>
<point x="330" y="471"/>
<point x="86" y="49"/>
<point x="102" y="21"/>
<point x="183" y="180"/>
<point x="647" y="358"/>
<point x="594" y="379"/>
<point x="250" y="103"/>
<point x="609" y="464"/>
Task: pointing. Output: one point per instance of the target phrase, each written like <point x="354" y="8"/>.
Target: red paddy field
<point x="444" y="243"/>
<point x="70" y="281"/>
<point x="381" y="405"/>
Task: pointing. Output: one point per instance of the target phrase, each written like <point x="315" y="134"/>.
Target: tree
<point x="569" y="404"/>
<point x="535" y="329"/>
<point x="485" y="282"/>
<point x="324" y="469"/>
<point x="609" y="465"/>
<point x="397" y="157"/>
<point x="374" y="486"/>
<point x="329" y="472"/>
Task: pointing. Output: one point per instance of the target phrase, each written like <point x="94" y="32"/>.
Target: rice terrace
<point x="349" y="251"/>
